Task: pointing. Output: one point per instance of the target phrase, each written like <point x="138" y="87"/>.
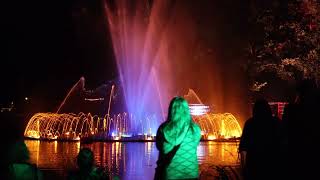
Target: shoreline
<point x="91" y="140"/>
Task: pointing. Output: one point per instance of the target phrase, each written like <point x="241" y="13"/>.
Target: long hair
<point x="178" y="120"/>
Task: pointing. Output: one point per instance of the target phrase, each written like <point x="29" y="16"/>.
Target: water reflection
<point x="218" y="153"/>
<point x="53" y="155"/>
<point x="128" y="160"/>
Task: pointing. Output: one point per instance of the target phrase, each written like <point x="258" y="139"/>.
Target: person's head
<point x="261" y="109"/>
<point x="85" y="159"/>
<point x="179" y="110"/>
<point x="18" y="152"/>
<point x="304" y="88"/>
<point x="178" y="122"/>
<point x="288" y="113"/>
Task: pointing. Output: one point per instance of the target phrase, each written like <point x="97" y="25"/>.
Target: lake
<point x="127" y="160"/>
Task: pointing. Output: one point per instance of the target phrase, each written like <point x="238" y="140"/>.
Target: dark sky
<point x="48" y="45"/>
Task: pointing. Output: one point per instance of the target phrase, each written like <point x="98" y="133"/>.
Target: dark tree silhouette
<point x="285" y="42"/>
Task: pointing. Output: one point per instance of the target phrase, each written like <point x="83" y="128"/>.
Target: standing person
<point x="177" y="140"/>
<point x="304" y="129"/>
<point x="259" y="143"/>
<point x="288" y="113"/>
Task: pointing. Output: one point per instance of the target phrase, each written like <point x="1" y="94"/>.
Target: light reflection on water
<point x="128" y="160"/>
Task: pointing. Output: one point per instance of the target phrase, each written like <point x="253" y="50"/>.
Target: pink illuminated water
<point x="139" y="32"/>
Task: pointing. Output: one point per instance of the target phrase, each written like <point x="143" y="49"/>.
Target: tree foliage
<point x="289" y="43"/>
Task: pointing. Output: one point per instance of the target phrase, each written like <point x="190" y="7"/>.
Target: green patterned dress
<point x="177" y="145"/>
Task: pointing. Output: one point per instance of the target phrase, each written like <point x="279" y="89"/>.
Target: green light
<point x="177" y="141"/>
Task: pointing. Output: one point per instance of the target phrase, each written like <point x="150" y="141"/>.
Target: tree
<point x="288" y="45"/>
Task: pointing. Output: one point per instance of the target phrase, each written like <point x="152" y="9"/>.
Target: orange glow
<point x="116" y="138"/>
<point x="33" y="134"/>
<point x="211" y="137"/>
<point x="218" y="126"/>
<point x="47" y="126"/>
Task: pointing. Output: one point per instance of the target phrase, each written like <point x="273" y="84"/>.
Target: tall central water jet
<point x="139" y="36"/>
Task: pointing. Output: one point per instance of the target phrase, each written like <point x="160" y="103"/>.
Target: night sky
<point x="48" y="46"/>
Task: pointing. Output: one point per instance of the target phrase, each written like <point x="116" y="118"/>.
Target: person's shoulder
<point x="100" y="173"/>
<point x="196" y="127"/>
<point x="29" y="169"/>
<point x="165" y="123"/>
<point x="196" y="131"/>
<point x="160" y="128"/>
<point x="24" y="165"/>
<point x="249" y="122"/>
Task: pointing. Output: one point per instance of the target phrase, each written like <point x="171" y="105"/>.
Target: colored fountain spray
<point x="153" y="43"/>
<point x="79" y="84"/>
<point x="139" y="35"/>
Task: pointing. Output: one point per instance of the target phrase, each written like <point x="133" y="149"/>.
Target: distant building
<point x="8" y="108"/>
<point x="198" y="109"/>
<point x="277" y="108"/>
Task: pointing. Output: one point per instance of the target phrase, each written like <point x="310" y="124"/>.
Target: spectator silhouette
<point x="304" y="122"/>
<point x="87" y="170"/>
<point x="177" y="140"/>
<point x="258" y="143"/>
<point x="307" y="107"/>
<point x="288" y="113"/>
<point x="18" y="166"/>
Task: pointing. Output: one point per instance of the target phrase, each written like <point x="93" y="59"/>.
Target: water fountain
<point x="139" y="35"/>
<point x="218" y="126"/>
<point x="79" y="84"/>
<point x="70" y="126"/>
<point x="149" y="49"/>
<point x="214" y="126"/>
<point x="52" y="126"/>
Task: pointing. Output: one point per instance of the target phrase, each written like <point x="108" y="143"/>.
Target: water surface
<point x="128" y="160"/>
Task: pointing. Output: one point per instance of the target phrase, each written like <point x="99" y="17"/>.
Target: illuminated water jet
<point x="79" y="84"/>
<point x="152" y="56"/>
<point x="218" y="126"/>
<point x="140" y="34"/>
<point x="213" y="125"/>
<point x="52" y="126"/>
<point x="70" y="126"/>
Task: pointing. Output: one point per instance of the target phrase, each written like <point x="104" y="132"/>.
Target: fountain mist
<point x="139" y="33"/>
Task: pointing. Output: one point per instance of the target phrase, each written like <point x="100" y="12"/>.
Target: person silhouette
<point x="86" y="168"/>
<point x="289" y="112"/>
<point x="177" y="140"/>
<point x="19" y="167"/>
<point x="258" y="143"/>
<point x="304" y="129"/>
